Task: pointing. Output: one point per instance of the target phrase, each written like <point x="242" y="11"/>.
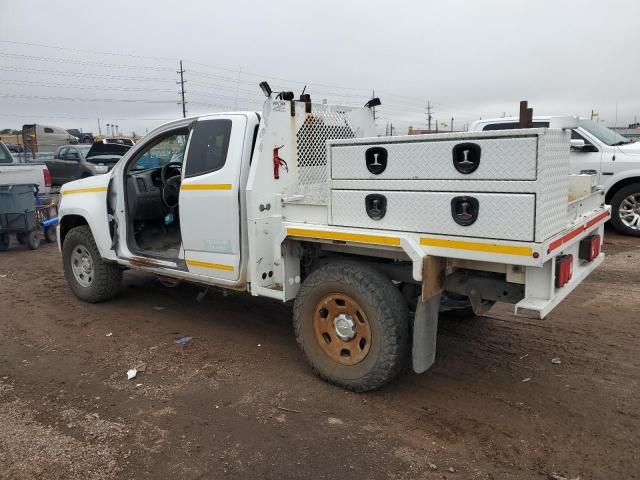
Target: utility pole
<point x="99" y="128"/>
<point x="429" y="116"/>
<point x="181" y="83"/>
<point x="452" y="124"/>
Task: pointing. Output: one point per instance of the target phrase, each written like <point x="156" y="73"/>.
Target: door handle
<point x="588" y="172"/>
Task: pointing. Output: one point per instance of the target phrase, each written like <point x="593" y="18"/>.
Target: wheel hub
<point x="629" y="211"/>
<point x="344" y="326"/>
<point x="82" y="265"/>
<point x="342" y="329"/>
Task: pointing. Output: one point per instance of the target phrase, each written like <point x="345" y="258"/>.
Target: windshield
<point x="5" y="154"/>
<point x="604" y="134"/>
<point x="84" y="149"/>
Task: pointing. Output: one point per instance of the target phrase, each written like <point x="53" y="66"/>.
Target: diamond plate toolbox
<point x="510" y="185"/>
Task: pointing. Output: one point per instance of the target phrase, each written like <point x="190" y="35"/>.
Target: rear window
<point x="208" y="148"/>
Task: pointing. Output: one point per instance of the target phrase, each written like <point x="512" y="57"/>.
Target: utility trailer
<point x="370" y="237"/>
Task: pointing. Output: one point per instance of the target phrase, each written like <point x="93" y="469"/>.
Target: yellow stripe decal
<point x="347" y="237"/>
<point x="207" y="186"/>
<point x="217" y="266"/>
<point x="84" y="190"/>
<point x="476" y="247"/>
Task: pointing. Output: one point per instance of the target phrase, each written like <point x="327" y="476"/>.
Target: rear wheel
<point x="625" y="206"/>
<point x="352" y="324"/>
<point x="50" y="234"/>
<point x="33" y="239"/>
<point x="5" y="241"/>
<point x="90" y="278"/>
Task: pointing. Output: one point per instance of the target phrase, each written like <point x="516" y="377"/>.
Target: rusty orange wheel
<point x="342" y="329"/>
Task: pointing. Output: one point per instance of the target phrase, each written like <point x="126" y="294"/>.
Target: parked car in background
<point x="119" y="141"/>
<point x="12" y="171"/>
<point x="72" y="162"/>
<point x="83" y="137"/>
<point x="604" y="153"/>
<point x="39" y="139"/>
<point x="14" y="147"/>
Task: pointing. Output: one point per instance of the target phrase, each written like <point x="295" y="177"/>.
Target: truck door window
<point x="169" y="148"/>
<point x="208" y="148"/>
<point x="72" y="154"/>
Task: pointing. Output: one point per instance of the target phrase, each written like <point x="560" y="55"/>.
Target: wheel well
<point x="70" y="222"/>
<point x="621" y="184"/>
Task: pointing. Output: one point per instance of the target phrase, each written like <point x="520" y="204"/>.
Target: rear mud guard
<point x="425" y="323"/>
<point x="425" y="332"/>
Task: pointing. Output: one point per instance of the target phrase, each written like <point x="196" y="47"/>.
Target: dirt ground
<point x="239" y="401"/>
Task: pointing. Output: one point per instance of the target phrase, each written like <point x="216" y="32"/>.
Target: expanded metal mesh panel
<point x="318" y="127"/>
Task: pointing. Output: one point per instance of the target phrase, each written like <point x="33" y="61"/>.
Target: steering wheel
<point x="171" y="177"/>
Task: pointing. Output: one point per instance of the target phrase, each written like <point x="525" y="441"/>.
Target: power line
<point x="83" y="87"/>
<point x="37" y="58"/>
<point x="82" y="74"/>
<point x="97" y="52"/>
<point x="75" y="99"/>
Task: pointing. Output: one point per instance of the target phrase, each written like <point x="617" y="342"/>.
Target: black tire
<point x="106" y="277"/>
<point x="5" y="242"/>
<point x="50" y="234"/>
<point x="33" y="239"/>
<point x="21" y="237"/>
<point x="616" y="200"/>
<point x="387" y="315"/>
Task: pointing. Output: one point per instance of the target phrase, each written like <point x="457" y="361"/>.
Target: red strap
<point x="278" y="162"/>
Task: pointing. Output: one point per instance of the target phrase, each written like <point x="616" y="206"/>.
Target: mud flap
<point x="425" y="332"/>
<point x="425" y="323"/>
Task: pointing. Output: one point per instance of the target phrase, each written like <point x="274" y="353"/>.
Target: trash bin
<point x="17" y="198"/>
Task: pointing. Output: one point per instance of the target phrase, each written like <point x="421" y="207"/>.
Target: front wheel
<point x="352" y="324"/>
<point x="625" y="210"/>
<point x="90" y="278"/>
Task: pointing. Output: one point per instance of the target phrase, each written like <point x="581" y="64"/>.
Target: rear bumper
<point x="541" y="294"/>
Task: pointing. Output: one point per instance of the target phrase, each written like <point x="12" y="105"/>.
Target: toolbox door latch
<point x="464" y="210"/>
<point x="376" y="206"/>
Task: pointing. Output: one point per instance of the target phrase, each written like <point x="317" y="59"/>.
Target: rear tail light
<point x="590" y="248"/>
<point x="564" y="270"/>
<point x="47" y="177"/>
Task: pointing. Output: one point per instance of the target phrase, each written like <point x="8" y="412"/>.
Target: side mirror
<point x="577" y="145"/>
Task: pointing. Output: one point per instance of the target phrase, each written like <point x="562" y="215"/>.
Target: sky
<point x="69" y="64"/>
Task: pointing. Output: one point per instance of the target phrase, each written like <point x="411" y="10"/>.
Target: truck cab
<point x="596" y="150"/>
<point x="177" y="199"/>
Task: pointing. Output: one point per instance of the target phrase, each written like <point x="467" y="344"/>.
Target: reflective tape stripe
<point x="344" y="236"/>
<point x="476" y="246"/>
<point x="216" y="266"/>
<point x="207" y="186"/>
<point x="574" y="233"/>
<point x="84" y="190"/>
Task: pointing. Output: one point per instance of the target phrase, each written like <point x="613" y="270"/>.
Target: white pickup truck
<point x="367" y="235"/>
<point x="596" y="150"/>
<point x="12" y="171"/>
